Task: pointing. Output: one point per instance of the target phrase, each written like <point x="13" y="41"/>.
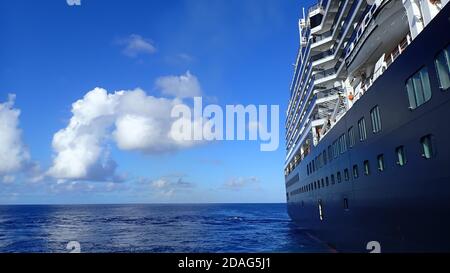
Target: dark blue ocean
<point x="153" y="228"/>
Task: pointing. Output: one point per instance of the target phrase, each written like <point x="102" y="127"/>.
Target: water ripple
<point x="153" y="228"/>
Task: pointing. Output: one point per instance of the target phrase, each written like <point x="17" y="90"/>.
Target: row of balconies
<point x="301" y="107"/>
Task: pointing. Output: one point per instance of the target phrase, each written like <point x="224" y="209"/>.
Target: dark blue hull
<point x="404" y="208"/>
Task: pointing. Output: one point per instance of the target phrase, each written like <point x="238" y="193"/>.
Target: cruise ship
<point x="368" y="125"/>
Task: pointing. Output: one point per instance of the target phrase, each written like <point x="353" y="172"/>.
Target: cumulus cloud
<point x="13" y="154"/>
<point x="79" y="147"/>
<point x="131" y="119"/>
<point x="182" y="86"/>
<point x="169" y="185"/>
<point x="238" y="183"/>
<point x="136" y="45"/>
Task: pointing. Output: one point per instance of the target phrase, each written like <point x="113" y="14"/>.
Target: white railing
<point x="398" y="50"/>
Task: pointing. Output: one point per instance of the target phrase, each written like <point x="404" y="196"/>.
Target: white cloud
<point x="132" y="119"/>
<point x="136" y="45"/>
<point x="143" y="123"/>
<point x="238" y="183"/>
<point x="185" y="57"/>
<point x="160" y="183"/>
<point x="169" y="186"/>
<point x="13" y="154"/>
<point x="182" y="86"/>
<point x="79" y="147"/>
<point x="8" y="179"/>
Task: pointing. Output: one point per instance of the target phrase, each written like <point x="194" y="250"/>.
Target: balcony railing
<point x="321" y="4"/>
<point x="322" y="55"/>
<point x="323" y="36"/>
<point x="388" y="60"/>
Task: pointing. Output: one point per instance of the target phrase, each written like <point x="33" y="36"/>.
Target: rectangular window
<point x="343" y="144"/>
<point x="339" y="178"/>
<point x="427" y="146"/>
<point x="362" y="129"/>
<point x="324" y="155"/>
<point x="366" y="167"/>
<point x="355" y="171"/>
<point x="401" y="155"/>
<point x="330" y="155"/>
<point x="376" y="119"/>
<point x="351" y="137"/>
<point x="442" y="63"/>
<point x="380" y="160"/>
<point x="419" y="89"/>
<point x="332" y="179"/>
<point x="327" y="182"/>
<point x="345" y="203"/>
<point x="335" y="149"/>
<point x="346" y="175"/>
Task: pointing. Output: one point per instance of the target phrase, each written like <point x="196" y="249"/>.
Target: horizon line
<point x="138" y="203"/>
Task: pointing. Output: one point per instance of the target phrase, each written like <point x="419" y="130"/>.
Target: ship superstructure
<point x="345" y="45"/>
<point x="349" y="49"/>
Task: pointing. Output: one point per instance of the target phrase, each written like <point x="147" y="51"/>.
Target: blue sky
<point x="53" y="54"/>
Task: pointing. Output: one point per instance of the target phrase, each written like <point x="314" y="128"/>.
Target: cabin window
<point x="342" y="144"/>
<point x="442" y="63"/>
<point x="320" y="210"/>
<point x="346" y="175"/>
<point x="330" y="151"/>
<point x="355" y="171"/>
<point x="376" y="119"/>
<point x="324" y="156"/>
<point x="323" y="184"/>
<point x="339" y="177"/>
<point x="345" y="203"/>
<point x="327" y="183"/>
<point x="427" y="146"/>
<point x="351" y="137"/>
<point x="366" y="167"/>
<point x="419" y="89"/>
<point x="335" y="148"/>
<point x="332" y="179"/>
<point x="362" y="129"/>
<point x="401" y="155"/>
<point x="380" y="160"/>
